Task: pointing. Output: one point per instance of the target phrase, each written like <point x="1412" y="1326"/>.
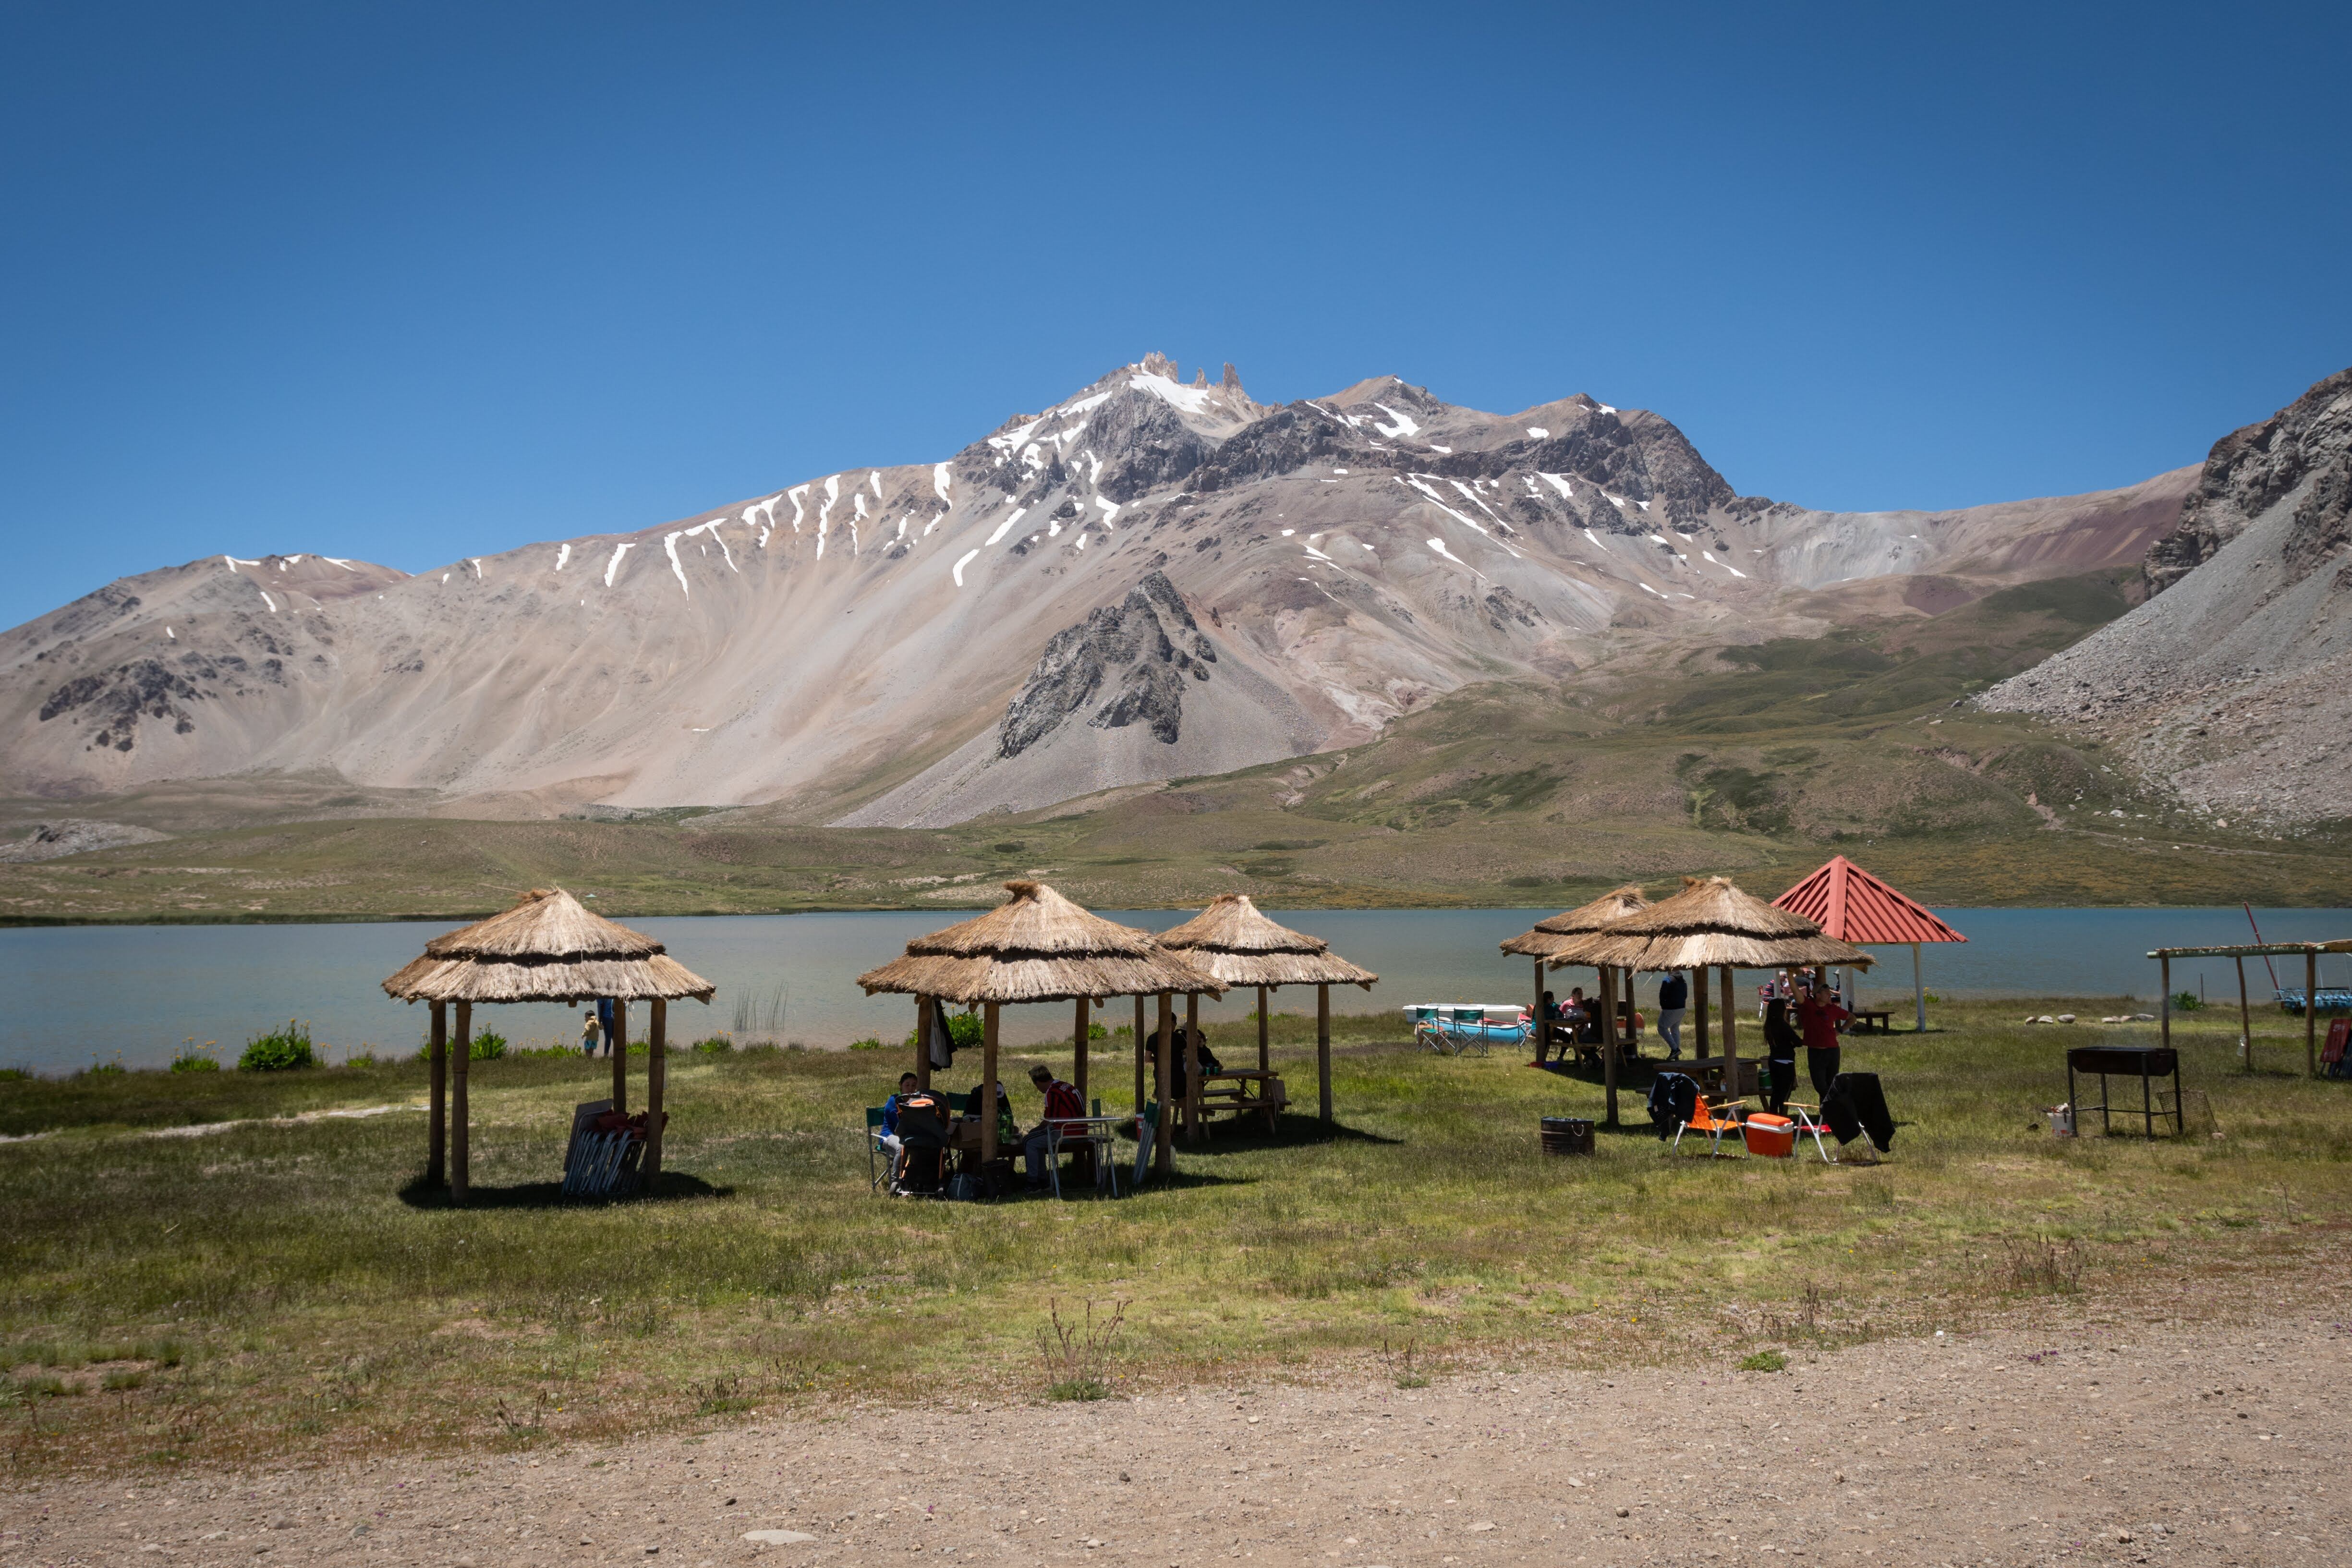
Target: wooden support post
<point x="1543" y="1026"/>
<point x="1078" y="1068"/>
<point x="1141" y="1035"/>
<point x="1323" y="1051"/>
<point x="620" y="1049"/>
<point x="1192" y="1130"/>
<point x="1610" y="1039"/>
<point x="921" y="1066"/>
<point x="1918" y="988"/>
<point x="2245" y="1019"/>
<point x="1264" y="1052"/>
<point x="1163" y="1156"/>
<point x="2164" y="1008"/>
<point x="1698" y="1008"/>
<point x="2311" y="1012"/>
<point x="1730" y="1038"/>
<point x="986" y="1108"/>
<point x="436" y="1135"/>
<point x="459" y="1119"/>
<point x="656" y="1077"/>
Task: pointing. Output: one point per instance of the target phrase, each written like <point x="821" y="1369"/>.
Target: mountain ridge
<point x="842" y="648"/>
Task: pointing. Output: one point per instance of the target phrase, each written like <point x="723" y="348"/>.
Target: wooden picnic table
<point x="1864" y="1016"/>
<point x="1237" y="1098"/>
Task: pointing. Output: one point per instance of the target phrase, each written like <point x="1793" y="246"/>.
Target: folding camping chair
<point x="1712" y="1118"/>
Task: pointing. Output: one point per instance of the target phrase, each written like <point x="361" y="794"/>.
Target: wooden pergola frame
<point x="2241" y="953"/>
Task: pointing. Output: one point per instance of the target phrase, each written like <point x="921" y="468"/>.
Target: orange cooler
<point x="1768" y="1134"/>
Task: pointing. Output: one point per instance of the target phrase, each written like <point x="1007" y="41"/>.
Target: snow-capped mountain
<point x="1151" y="579"/>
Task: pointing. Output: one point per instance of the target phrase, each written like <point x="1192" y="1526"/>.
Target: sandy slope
<point x="2113" y="1437"/>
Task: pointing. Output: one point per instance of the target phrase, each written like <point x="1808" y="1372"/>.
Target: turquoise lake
<point x="85" y="993"/>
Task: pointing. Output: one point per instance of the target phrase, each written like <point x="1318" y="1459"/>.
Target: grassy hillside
<point x="1758" y="759"/>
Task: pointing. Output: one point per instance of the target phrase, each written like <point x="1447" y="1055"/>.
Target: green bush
<point x="183" y="1062"/>
<point x="870" y="1044"/>
<point x="487" y="1047"/>
<point x="715" y="1045"/>
<point x="2187" y="1002"/>
<point x="1765" y="1360"/>
<point x="101" y="1068"/>
<point x="280" y="1050"/>
<point x="963" y="1028"/>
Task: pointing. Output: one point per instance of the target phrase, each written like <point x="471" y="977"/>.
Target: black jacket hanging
<point x="1674" y="1099"/>
<point x="1856" y="1105"/>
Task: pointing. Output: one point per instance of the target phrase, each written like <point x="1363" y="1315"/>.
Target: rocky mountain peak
<point x="2251" y="469"/>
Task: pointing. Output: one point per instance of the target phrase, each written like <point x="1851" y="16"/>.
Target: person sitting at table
<point x="890" y="1141"/>
<point x="921" y="1125"/>
<point x="1008" y="1126"/>
<point x="1583" y="1017"/>
<point x="1062" y="1105"/>
<point x="1556" y="1028"/>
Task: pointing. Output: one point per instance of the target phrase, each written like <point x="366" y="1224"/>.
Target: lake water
<point x="79" y="994"/>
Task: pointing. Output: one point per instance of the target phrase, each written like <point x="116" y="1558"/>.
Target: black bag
<point x="1674" y="1099"/>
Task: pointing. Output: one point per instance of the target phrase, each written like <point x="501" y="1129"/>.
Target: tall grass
<point x="321" y="1301"/>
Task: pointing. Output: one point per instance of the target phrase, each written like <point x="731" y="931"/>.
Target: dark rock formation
<point x="2249" y="470"/>
<point x="1144" y="648"/>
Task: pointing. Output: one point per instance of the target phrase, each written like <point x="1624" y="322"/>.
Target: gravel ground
<point x="2087" y="1439"/>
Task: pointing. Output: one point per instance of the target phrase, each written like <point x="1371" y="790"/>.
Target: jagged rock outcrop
<point x="2250" y="471"/>
<point x="2235" y="684"/>
<point x="1141" y="648"/>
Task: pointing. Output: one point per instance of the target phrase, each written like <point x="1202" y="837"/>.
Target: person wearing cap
<point x="1062" y="1107"/>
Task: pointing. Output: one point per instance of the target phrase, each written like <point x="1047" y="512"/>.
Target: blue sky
<point x="412" y="281"/>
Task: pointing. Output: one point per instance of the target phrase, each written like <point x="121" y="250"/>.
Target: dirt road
<point x="2201" y="1444"/>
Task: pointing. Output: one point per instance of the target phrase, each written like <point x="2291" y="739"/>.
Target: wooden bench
<point x="1864" y="1016"/>
<point x="1242" y="1092"/>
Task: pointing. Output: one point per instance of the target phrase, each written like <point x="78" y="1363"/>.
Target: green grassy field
<point x="278" y="1287"/>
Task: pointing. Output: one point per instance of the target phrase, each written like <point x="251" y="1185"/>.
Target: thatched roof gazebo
<point x="547" y="948"/>
<point x="1556" y="943"/>
<point x="1038" y="946"/>
<point x="1234" y="940"/>
<point x="1712" y="924"/>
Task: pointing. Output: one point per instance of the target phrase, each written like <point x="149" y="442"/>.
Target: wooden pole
<point x="1609" y="1045"/>
<point x="620" y="1049"/>
<point x="2164" y="1008"/>
<point x="1543" y="1035"/>
<point x="923" y="1005"/>
<point x="1323" y="1050"/>
<point x="2311" y="1012"/>
<point x="436" y="1135"/>
<point x="1265" y="1053"/>
<point x="1078" y="1071"/>
<point x="1730" y="1038"/>
<point x="458" y="1116"/>
<point x="656" y="1076"/>
<point x="1698" y="1008"/>
<point x="986" y="1108"/>
<point x="1163" y="1157"/>
<point x="1192" y="1067"/>
<point x="1141" y="1035"/>
<point x="2245" y="1020"/>
<point x="1918" y="988"/>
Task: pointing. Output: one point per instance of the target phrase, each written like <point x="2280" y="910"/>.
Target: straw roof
<point x="1234" y="940"/>
<point x="1710" y="922"/>
<point x="1548" y="938"/>
<point x="546" y="948"/>
<point x="1038" y="946"/>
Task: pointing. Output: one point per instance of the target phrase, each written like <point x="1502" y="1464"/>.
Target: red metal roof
<point x="1850" y="904"/>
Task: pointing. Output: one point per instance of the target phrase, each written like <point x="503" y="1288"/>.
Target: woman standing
<point x="1781" y="1053"/>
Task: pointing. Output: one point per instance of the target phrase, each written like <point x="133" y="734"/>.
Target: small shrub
<point x="2044" y="1266"/>
<point x="1077" y="1355"/>
<point x="192" y="1057"/>
<point x="1764" y="1360"/>
<point x="42" y="1386"/>
<point x="964" y="1031"/>
<point x="122" y="1381"/>
<point x="715" y="1045"/>
<point x="2187" y="1002"/>
<point x="104" y="1069"/>
<point x="14" y="1075"/>
<point x="487" y="1047"/>
<point x="1096" y="1032"/>
<point x="1080" y="1388"/>
<point x="869" y="1044"/>
<point x="281" y="1050"/>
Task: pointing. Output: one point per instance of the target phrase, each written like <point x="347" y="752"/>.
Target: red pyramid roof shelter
<point x="1850" y="904"/>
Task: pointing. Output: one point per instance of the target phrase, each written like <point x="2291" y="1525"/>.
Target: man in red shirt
<point x="1817" y="1017"/>
<point x="1062" y="1106"/>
